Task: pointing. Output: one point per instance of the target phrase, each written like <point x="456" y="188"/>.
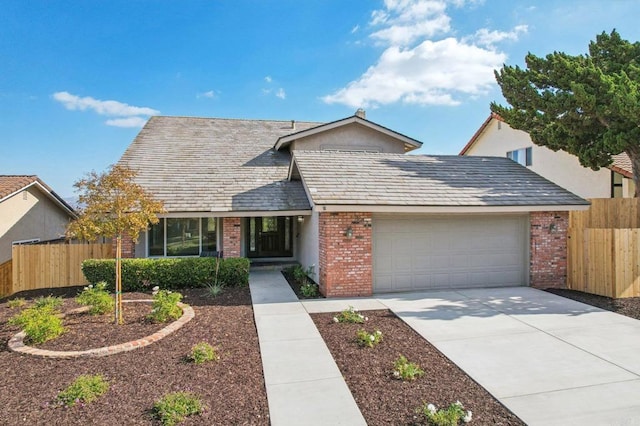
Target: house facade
<point x="497" y="138"/>
<point x="345" y="198"/>
<point x="29" y="212"/>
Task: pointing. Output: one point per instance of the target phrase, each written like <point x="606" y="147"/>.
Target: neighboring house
<point x="29" y="212"/>
<point x="497" y="138"/>
<point x="344" y="198"/>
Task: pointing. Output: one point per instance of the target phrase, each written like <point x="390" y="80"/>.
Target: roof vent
<point x="361" y="113"/>
<point x="293" y="124"/>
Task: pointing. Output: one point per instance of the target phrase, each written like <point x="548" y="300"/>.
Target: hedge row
<point x="143" y="274"/>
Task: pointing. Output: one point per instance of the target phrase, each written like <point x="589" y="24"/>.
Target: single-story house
<point x="345" y="198"/>
<point x="497" y="138"/>
<point x="30" y="211"/>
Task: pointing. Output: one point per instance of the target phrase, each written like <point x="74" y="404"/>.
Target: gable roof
<point x="621" y="162"/>
<point x="216" y="164"/>
<point x="372" y="179"/>
<point x="13" y="184"/>
<point x="409" y="143"/>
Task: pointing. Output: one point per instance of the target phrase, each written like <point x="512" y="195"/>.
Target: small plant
<point x="350" y="315"/>
<point x="405" y="370"/>
<point x="450" y="416"/>
<point x="97" y="298"/>
<point x="203" y="352"/>
<point x="48" y="302"/>
<point x="175" y="407"/>
<point x="84" y="389"/>
<point x="214" y="290"/>
<point x="369" y="340"/>
<point x="165" y="306"/>
<point x="39" y="324"/>
<point x="16" y="303"/>
<point x="309" y="290"/>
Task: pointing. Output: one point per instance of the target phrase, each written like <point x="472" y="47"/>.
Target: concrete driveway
<point x="551" y="360"/>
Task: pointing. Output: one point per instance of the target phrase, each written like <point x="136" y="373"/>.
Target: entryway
<point x="269" y="236"/>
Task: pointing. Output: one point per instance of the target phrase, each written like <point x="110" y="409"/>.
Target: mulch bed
<point x="295" y="286"/>
<point x="385" y="400"/>
<point x="232" y="388"/>
<point x="629" y="307"/>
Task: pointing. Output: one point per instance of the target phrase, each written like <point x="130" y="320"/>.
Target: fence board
<point x="607" y="213"/>
<point x="6" y="278"/>
<point x="52" y="265"/>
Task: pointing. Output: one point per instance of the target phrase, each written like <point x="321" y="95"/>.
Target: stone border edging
<point x="16" y="343"/>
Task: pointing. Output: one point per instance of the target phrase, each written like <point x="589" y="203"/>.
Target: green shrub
<point x="97" y="298"/>
<point x="39" y="323"/>
<point x="368" y="340"/>
<point x="405" y="370"/>
<point x="175" y="407"/>
<point x="16" y="303"/>
<point x="350" y="315"/>
<point x="48" y="302"/>
<point x="171" y="273"/>
<point x="165" y="306"/>
<point x="84" y="389"/>
<point x="309" y="290"/>
<point x="203" y="352"/>
<point x="450" y="416"/>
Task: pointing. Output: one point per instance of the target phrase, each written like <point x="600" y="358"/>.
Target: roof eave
<point x="476" y="135"/>
<point x="378" y="208"/>
<point x="48" y="192"/>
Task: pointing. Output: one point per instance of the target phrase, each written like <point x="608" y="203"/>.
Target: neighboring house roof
<point x="621" y="162"/>
<point x="216" y="164"/>
<point x="409" y="143"/>
<point x="13" y="184"/>
<point x="370" y="179"/>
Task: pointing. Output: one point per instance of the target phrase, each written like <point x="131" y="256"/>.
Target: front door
<point x="269" y="236"/>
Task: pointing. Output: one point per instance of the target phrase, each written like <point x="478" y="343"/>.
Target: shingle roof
<point x="214" y="164"/>
<point x="12" y="183"/>
<point x="344" y="178"/>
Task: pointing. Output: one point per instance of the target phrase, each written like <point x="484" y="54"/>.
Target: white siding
<point x="309" y="243"/>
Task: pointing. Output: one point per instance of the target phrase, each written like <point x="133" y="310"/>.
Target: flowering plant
<point x="450" y="416"/>
<point x="405" y="370"/>
<point x="369" y="340"/>
<point x="350" y="315"/>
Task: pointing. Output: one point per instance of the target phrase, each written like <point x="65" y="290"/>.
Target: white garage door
<point x="415" y="253"/>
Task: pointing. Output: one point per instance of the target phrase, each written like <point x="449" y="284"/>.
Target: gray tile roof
<point x="213" y="164"/>
<point x="345" y="178"/>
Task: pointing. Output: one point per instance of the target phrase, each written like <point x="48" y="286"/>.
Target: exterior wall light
<point x="300" y="219"/>
<point x="348" y="233"/>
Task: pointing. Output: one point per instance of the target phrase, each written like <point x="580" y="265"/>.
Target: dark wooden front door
<point x="269" y="236"/>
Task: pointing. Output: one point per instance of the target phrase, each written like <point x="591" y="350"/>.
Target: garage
<point x="444" y="252"/>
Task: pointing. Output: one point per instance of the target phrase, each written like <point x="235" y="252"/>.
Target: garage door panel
<point x="445" y="252"/>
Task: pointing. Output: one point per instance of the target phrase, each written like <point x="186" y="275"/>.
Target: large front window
<point x="182" y="236"/>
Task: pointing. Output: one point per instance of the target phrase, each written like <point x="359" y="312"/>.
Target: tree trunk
<point x="634" y="155"/>
<point x="118" y="313"/>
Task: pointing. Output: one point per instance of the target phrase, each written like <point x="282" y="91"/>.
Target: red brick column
<point x="128" y="247"/>
<point x="345" y="262"/>
<point x="548" y="261"/>
<point x="231" y="236"/>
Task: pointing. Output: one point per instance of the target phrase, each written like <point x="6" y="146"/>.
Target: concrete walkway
<point x="304" y="384"/>
<point x="551" y="360"/>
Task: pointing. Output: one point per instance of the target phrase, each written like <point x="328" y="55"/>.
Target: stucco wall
<point x="559" y="167"/>
<point x="354" y="137"/>
<point x="308" y="243"/>
<point x="29" y="214"/>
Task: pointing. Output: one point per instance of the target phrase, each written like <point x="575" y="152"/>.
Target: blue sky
<point x="78" y="79"/>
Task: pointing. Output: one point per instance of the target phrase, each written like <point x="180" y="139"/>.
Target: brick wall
<point x="128" y="247"/>
<point x="548" y="262"/>
<point x="345" y="263"/>
<point x="231" y="236"/>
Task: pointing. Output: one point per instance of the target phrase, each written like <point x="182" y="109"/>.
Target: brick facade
<point x="548" y="257"/>
<point x="231" y="236"/>
<point x="345" y="261"/>
<point x="128" y="247"/>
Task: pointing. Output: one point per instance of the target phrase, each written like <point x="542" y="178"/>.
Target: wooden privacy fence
<point x="51" y="265"/>
<point x="5" y="278"/>
<point x="603" y="250"/>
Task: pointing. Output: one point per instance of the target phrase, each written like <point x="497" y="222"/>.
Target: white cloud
<point x="209" y="94"/>
<point x="355" y="29"/>
<point x="268" y="79"/>
<point x="423" y="63"/>
<point x="126" y="122"/>
<point x="126" y="115"/>
<point x="281" y="93"/>
<point x="109" y="108"/>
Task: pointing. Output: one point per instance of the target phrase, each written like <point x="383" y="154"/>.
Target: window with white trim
<point x="521" y="156"/>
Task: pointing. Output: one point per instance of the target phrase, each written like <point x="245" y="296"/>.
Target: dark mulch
<point x="384" y="400"/>
<point x="628" y="306"/>
<point x="295" y="286"/>
<point x="233" y="388"/>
